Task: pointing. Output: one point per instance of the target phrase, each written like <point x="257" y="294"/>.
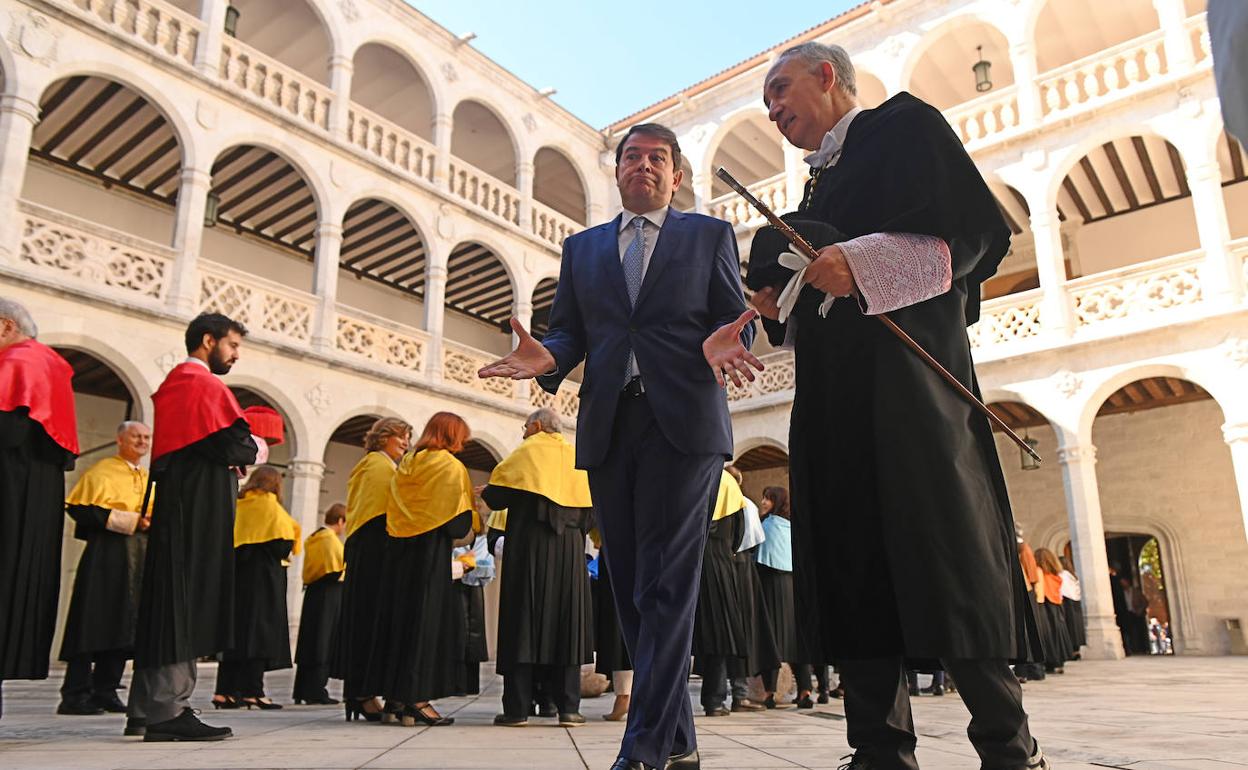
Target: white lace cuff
<point x="895" y="270"/>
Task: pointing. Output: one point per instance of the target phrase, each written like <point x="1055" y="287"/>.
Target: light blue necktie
<point x="634" y="264"/>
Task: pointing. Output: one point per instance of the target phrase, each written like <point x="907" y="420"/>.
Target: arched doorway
<point x="1141" y="606"/>
<point x="343" y="450"/>
<point x="279" y="455"/>
<point x="766" y="465"/>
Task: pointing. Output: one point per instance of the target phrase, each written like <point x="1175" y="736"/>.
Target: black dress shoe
<point x="686" y="761"/>
<point x="571" y="720"/>
<point x="502" y="720"/>
<point x="135" y="726"/>
<point x="109" y="702"/>
<point x="718" y="712"/>
<point x="79" y="707"/>
<point x="624" y="763"/>
<point x="745" y="704"/>
<point x="185" y="727"/>
<point x="805" y="702"/>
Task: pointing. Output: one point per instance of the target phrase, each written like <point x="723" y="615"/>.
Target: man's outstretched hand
<point x="530" y="359"/>
<point x="727" y="356"/>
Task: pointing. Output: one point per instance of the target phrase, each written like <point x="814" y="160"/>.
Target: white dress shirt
<point x="653" y="224"/>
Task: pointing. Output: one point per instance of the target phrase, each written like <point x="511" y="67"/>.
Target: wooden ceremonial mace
<point x="811" y="252"/>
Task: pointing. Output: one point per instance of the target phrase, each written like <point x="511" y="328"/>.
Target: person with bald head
<point x="38" y="443"/>
<point x="106" y="506"/>
<point x="544" y="608"/>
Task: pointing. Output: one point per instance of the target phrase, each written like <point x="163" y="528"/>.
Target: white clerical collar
<point x="656" y="217"/>
<point x="133" y="467"/>
<point x="194" y="360"/>
<point x="832" y="141"/>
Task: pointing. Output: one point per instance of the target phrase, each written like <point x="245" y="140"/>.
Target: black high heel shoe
<point x="354" y="709"/>
<point x="229" y="703"/>
<point x="261" y="703"/>
<point x="412" y="714"/>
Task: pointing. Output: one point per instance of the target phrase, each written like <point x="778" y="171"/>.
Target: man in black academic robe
<point x="903" y="535"/>
<point x="545" y="612"/>
<point x="107" y="507"/>
<point x="200" y="441"/>
<point x="38" y="443"/>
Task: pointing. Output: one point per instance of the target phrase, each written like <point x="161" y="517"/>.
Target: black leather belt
<point x="634" y="387"/>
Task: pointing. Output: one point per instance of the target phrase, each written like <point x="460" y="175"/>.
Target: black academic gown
<point x="358" y="652"/>
<point x="902" y="529"/>
<point x="610" y="653"/>
<point x="545" y="612"/>
<point x="32" y="505"/>
<point x="186" y="607"/>
<point x="731" y="620"/>
<point x="422" y="624"/>
<point x="777" y="594"/>
<point x="261" y="626"/>
<point x="318" y="621"/>
<point x="104" y="606"/>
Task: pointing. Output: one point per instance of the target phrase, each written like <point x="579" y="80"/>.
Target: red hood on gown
<point x="191" y="404"/>
<point x="34" y="376"/>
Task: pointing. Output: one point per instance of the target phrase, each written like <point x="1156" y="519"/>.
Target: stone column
<point x="701" y="192"/>
<point x="188" y="240"/>
<point x="1222" y="279"/>
<point x="524" y="183"/>
<point x="340" y="70"/>
<point x="208" y="53"/>
<point x="442" y="125"/>
<point x="522" y="309"/>
<point x="1055" y="310"/>
<point x="305" y="502"/>
<point x="796" y="173"/>
<point x="435" y="314"/>
<point x="1236" y="436"/>
<point x="1173" y="19"/>
<point x="1023" y="58"/>
<point x="1087" y="534"/>
<point x="18" y="117"/>
<point x="325" y="285"/>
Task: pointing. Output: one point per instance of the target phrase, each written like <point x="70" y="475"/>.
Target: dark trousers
<point x="561" y="684"/>
<point x="241" y="678"/>
<point x="880" y="726"/>
<point x="801" y="673"/>
<point x="715" y="682"/>
<point x="653" y="505"/>
<point x="93" y="673"/>
<point x="311" y="682"/>
<point x="472" y="678"/>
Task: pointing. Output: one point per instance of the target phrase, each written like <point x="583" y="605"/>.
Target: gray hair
<point x="128" y="424"/>
<point x="18" y="314"/>
<point x="815" y="54"/>
<point x="548" y="418"/>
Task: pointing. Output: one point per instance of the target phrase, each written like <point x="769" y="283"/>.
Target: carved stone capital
<point x="1077" y="454"/>
<point x="1235" y="433"/>
<point x="307" y="469"/>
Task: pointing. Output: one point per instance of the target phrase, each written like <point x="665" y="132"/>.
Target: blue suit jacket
<point x="691" y="288"/>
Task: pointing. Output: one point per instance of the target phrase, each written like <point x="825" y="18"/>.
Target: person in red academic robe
<point x="200" y="441"/>
<point x="38" y="443"/>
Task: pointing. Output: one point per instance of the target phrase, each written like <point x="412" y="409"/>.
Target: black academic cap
<point x="764" y="268"/>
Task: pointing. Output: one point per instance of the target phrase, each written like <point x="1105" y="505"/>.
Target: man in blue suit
<point x="652" y="302"/>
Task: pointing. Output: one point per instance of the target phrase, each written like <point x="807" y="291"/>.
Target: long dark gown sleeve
<point x="228" y="446"/>
<point x="14" y="428"/>
<point x="459" y="526"/>
<point x="275" y="550"/>
<point x="88" y="520"/>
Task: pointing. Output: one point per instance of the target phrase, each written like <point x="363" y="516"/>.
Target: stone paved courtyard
<point x="1142" y="714"/>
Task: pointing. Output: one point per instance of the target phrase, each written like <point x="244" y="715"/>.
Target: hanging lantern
<point x="1026" y="461"/>
<point x="210" y="209"/>
<point x="231" y="20"/>
<point x="983" y="71"/>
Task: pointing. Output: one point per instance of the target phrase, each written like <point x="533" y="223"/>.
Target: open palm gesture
<point x="727" y="356"/>
<point x="530" y="359"/>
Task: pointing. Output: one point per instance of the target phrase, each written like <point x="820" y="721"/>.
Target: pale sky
<point x="610" y="60"/>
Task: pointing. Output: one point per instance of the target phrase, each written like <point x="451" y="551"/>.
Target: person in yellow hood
<point x="545" y="615"/>
<point x="322" y="600"/>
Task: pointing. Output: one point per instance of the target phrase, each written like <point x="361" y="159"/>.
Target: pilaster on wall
<point x="18" y="117"/>
<point x="1087" y="530"/>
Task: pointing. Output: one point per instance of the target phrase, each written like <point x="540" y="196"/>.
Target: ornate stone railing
<point x="551" y="226"/>
<point x="264" y="79"/>
<point x="1149" y="287"/>
<point x="566" y="403"/>
<point x="380" y="340"/>
<point x="460" y="364"/>
<point x="66" y="248"/>
<point x="1198" y="34"/>
<point x="1007" y="319"/>
<point x="267" y="308"/>
<point x="159" y="27"/>
<point x="733" y="208"/>
<point x="392" y="145"/>
<point x="985" y="116"/>
<point x="484" y="192"/>
<point x="1098" y="77"/>
<point x="778" y="376"/>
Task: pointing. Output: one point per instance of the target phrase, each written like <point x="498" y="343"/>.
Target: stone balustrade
<point x="1101" y="76"/>
<point x="395" y="147"/>
<point x="778" y="376"/>
<point x="986" y="117"/>
<point x="92" y="257"/>
<point x="1136" y="290"/>
<point x="268" y="309"/>
<point x="483" y="192"/>
<point x="157" y="26"/>
<point x="460" y="364"/>
<point x="262" y="78"/>
<point x="1198" y="35"/>
<point x="381" y="341"/>
<point x="737" y="211"/>
<point x="551" y="226"/>
<point x="1007" y="319"/>
<point x="566" y="403"/>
